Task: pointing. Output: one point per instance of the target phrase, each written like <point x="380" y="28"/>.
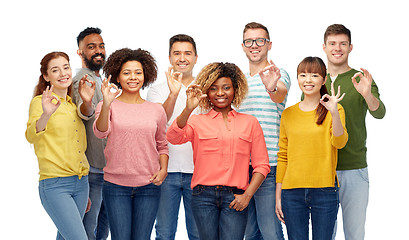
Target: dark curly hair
<point x="213" y="71"/>
<point x="114" y="64"/>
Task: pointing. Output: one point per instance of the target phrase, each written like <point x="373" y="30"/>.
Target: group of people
<point x="223" y="141"/>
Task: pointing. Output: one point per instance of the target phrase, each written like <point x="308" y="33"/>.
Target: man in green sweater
<point x="361" y="96"/>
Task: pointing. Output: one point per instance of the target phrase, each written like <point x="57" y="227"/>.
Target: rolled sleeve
<point x="259" y="154"/>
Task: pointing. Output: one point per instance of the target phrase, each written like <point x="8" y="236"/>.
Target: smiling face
<point x="59" y="75"/>
<point x="255" y="53"/>
<point x="310" y="83"/>
<point x="131" y="77"/>
<point x="337" y="48"/>
<point x="182" y="57"/>
<point x="92" y="51"/>
<point x="221" y="94"/>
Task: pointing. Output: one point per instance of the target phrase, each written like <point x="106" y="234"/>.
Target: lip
<point x="63" y="80"/>
<point x="133" y="84"/>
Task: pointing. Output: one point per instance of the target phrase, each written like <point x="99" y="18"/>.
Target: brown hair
<point x="213" y="71"/>
<point x="42" y="83"/>
<point x="336" y="29"/>
<point x="182" y="38"/>
<point x="255" y="25"/>
<point x="315" y="65"/>
<point x="120" y="57"/>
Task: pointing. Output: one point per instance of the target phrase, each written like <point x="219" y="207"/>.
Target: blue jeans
<point x="175" y="186"/>
<point x="214" y="219"/>
<point x="96" y="220"/>
<point x="299" y="203"/>
<point x="65" y="200"/>
<point x="353" y="197"/>
<point x="262" y="221"/>
<point x="131" y="210"/>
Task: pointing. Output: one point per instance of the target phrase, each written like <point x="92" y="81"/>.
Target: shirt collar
<point x="214" y="114"/>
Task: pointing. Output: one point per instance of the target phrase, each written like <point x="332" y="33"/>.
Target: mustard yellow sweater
<point x="308" y="152"/>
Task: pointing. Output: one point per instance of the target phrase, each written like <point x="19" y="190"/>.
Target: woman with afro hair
<point x="136" y="151"/>
<point x="223" y="141"/>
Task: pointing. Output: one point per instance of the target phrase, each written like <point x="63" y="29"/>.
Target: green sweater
<point x="353" y="155"/>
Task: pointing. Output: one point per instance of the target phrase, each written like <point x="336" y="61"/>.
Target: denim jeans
<point x="353" y="197"/>
<point x="96" y="220"/>
<point x="262" y="220"/>
<point x="214" y="219"/>
<point x="175" y="186"/>
<point x="300" y="203"/>
<point x="65" y="200"/>
<point x="131" y="210"/>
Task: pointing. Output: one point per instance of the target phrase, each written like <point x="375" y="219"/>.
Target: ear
<point x="323" y="47"/>
<point x="350" y="47"/>
<point x="196" y="58"/>
<point x="46" y="78"/>
<point x="270" y="44"/>
<point x="325" y="80"/>
<point x="79" y="53"/>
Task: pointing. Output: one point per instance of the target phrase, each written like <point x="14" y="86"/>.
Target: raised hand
<point x="330" y="101"/>
<point x="86" y="92"/>
<point x="364" y="85"/>
<point x="194" y="95"/>
<point x="108" y="95"/>
<point x="49" y="106"/>
<point x="174" y="80"/>
<point x="270" y="76"/>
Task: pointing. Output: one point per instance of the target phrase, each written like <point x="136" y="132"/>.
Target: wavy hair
<point x="213" y="71"/>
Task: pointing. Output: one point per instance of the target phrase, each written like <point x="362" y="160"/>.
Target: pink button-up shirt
<point x="221" y="153"/>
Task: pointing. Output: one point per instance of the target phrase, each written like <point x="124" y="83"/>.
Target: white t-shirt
<point x="180" y="156"/>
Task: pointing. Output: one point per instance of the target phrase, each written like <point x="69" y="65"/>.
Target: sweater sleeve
<point x="98" y="133"/>
<point x="259" y="154"/>
<point x="340" y="141"/>
<point x="380" y="112"/>
<point x="161" y="142"/>
<point x="282" y="160"/>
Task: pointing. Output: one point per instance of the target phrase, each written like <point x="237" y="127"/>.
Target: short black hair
<point x="182" y="38"/>
<point x="86" y="32"/>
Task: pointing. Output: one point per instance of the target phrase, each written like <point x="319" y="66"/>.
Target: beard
<point x="91" y="64"/>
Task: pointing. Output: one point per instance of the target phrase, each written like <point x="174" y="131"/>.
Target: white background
<point x="30" y="29"/>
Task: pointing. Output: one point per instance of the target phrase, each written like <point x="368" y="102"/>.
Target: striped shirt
<point x="258" y="103"/>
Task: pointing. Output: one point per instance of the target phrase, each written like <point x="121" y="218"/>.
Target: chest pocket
<point x="244" y="146"/>
<point x="209" y="142"/>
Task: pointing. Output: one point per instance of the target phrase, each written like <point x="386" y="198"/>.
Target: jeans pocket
<point x="50" y="182"/>
<point x="329" y="189"/>
<point x="363" y="173"/>
<point x="197" y="190"/>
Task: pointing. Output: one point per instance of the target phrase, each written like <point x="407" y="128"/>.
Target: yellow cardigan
<point x="60" y="147"/>
<point x="308" y="152"/>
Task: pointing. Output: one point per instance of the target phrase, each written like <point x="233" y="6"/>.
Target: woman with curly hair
<point x="223" y="141"/>
<point x="136" y="151"/>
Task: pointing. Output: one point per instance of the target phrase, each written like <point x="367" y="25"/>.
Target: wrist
<point x="271" y="91"/>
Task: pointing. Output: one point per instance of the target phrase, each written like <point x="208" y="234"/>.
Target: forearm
<point x="86" y="108"/>
<point x="169" y="105"/>
<point x="279" y="95"/>
<point x="42" y="122"/>
<point x="255" y="183"/>
<point x="337" y="128"/>
<point x="102" y="120"/>
<point x="372" y="102"/>
<point x="183" y="117"/>
<point x="163" y="162"/>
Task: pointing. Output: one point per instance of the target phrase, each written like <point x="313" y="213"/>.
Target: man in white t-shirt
<point x="172" y="95"/>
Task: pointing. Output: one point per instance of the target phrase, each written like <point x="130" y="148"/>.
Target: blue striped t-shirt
<point x="258" y="103"/>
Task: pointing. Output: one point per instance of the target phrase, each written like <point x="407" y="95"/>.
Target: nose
<point x="220" y="92"/>
<point x="182" y="57"/>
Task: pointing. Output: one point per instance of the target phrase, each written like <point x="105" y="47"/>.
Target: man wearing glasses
<point x="267" y="95"/>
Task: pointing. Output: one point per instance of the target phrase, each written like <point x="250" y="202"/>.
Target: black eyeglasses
<point x="259" y="42"/>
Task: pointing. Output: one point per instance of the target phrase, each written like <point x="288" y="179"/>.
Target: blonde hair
<point x="213" y="71"/>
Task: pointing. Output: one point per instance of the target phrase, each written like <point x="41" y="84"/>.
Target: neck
<point x="131" y="98"/>
<point x="335" y="70"/>
<point x="187" y="79"/>
<point x="61" y="92"/>
<point x="255" y="67"/>
<point x="225" y="111"/>
<point x="96" y="72"/>
<point x="310" y="102"/>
